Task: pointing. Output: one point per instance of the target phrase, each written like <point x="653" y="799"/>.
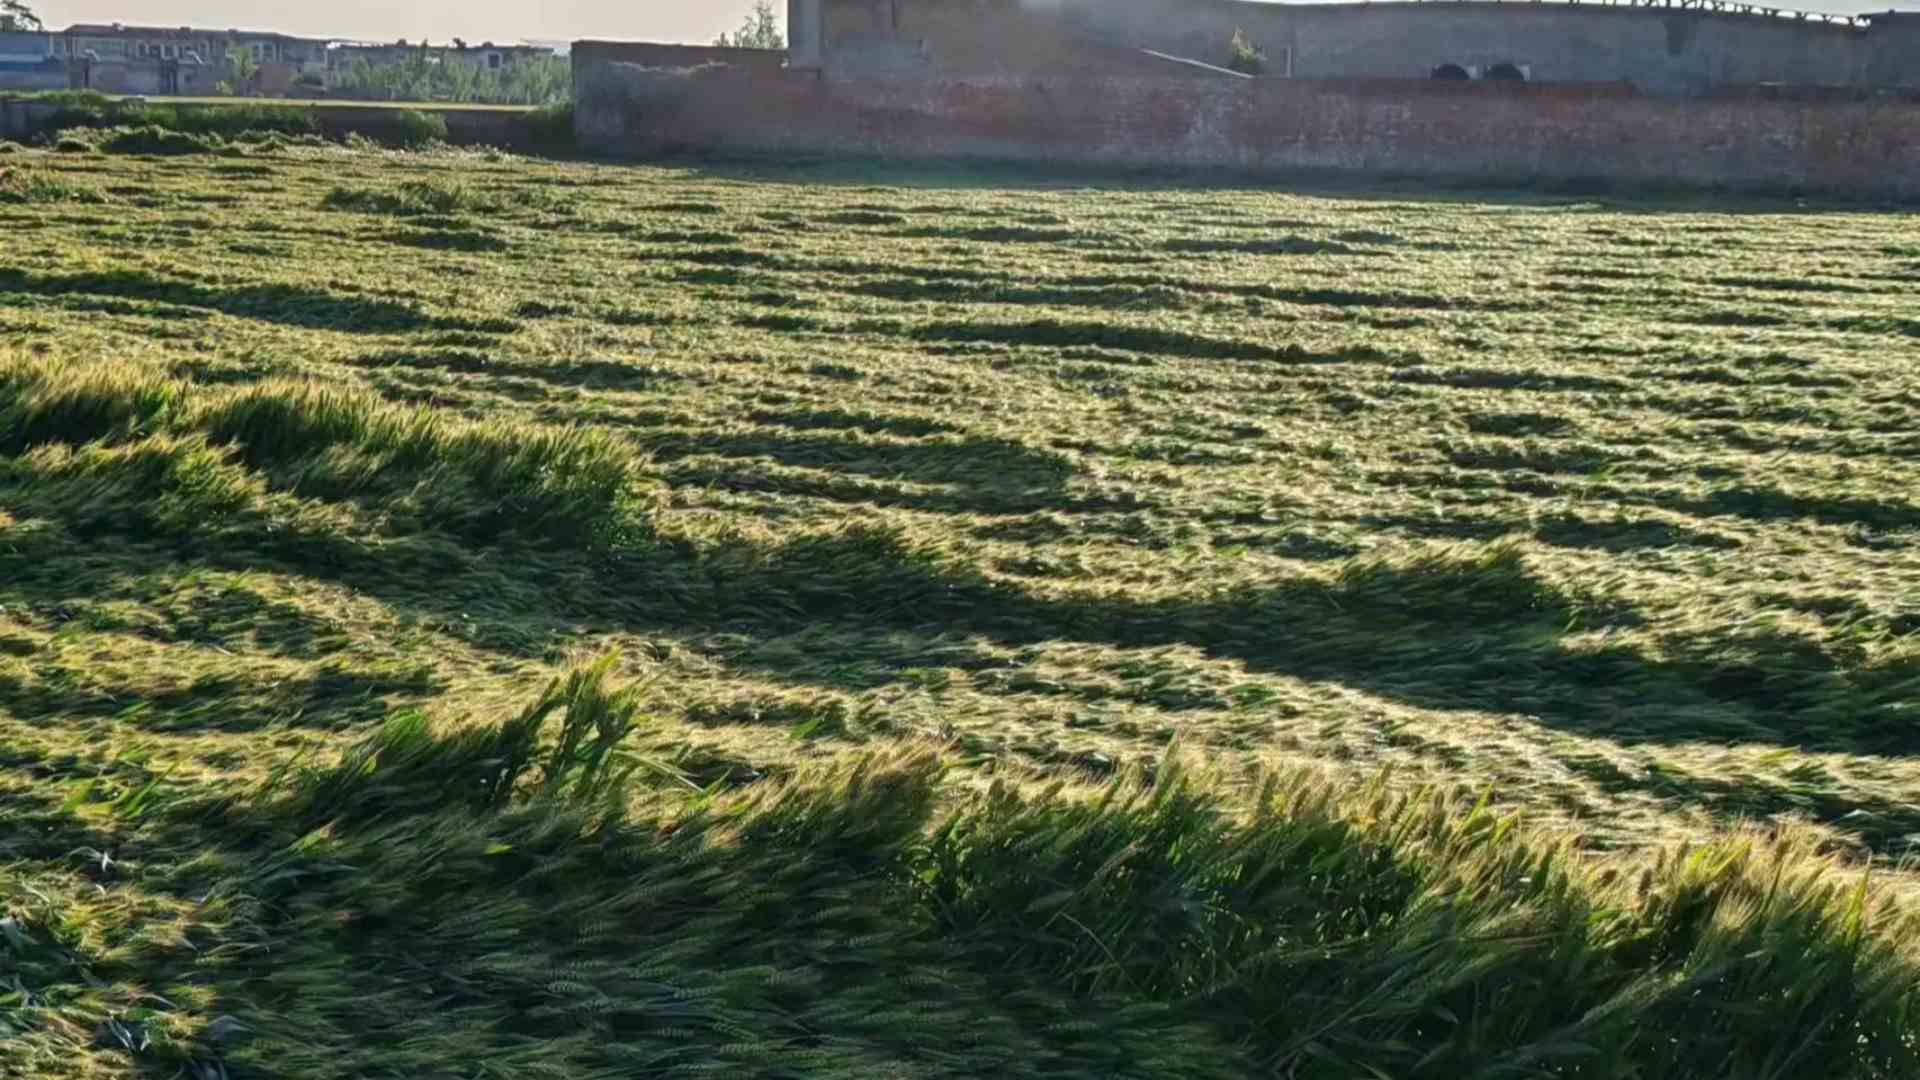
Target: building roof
<point x="122" y="29"/>
<point x="126" y="30"/>
<point x="448" y="46"/>
<point x="1750" y="8"/>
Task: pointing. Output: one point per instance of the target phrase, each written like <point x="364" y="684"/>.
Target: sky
<point x="435" y="20"/>
<point x="507" y="20"/>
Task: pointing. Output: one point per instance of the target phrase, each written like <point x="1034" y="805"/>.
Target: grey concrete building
<point x="120" y="41"/>
<point x="122" y="58"/>
<point x="1681" y="48"/>
<point x="27" y="62"/>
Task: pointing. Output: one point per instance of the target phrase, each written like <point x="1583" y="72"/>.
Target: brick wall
<point x="600" y="67"/>
<point x="652" y="55"/>
<point x="1494" y="132"/>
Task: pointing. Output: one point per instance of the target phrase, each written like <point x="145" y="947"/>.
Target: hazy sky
<point x="436" y="20"/>
<point x="479" y="20"/>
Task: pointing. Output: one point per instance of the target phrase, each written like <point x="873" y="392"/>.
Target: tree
<point x="16" y="16"/>
<point x="1245" y="57"/>
<point x="761" y="30"/>
<point x="244" y="67"/>
<point x="544" y="80"/>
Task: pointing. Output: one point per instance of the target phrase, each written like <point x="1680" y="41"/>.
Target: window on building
<point x="493" y="61"/>
<point x="168" y="52"/>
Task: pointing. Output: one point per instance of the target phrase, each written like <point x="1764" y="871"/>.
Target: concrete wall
<point x="877" y="39"/>
<point x="1664" y="51"/>
<point x="1895" y="57"/>
<point x="1483" y="131"/>
<point x="45" y="75"/>
<point x="805" y="30"/>
<point x="20" y="117"/>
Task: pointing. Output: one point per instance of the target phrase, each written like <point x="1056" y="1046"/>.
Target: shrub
<point x="82" y="108"/>
<point x="75" y="99"/>
<point x="96" y="111"/>
<point x="68" y="144"/>
<point x="413" y="128"/>
<point x="551" y="128"/>
<point x="233" y="120"/>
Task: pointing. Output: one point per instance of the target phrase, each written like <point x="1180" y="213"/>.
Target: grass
<point x="214" y="120"/>
<point x="415" y="199"/>
<point x="94" y="100"/>
<point x="23" y="186"/>
<point x="467" y="615"/>
<point x="235" y="127"/>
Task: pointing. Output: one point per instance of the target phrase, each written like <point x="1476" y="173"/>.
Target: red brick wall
<point x="1420" y="128"/>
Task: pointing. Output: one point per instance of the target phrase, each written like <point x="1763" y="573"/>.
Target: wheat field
<point x="464" y="615"/>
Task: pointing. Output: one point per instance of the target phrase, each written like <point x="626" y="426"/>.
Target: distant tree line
<point x="547" y="80"/>
<point x="16" y="16"/>
<point x="761" y="30"/>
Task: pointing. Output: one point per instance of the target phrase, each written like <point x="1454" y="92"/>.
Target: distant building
<point x="120" y="58"/>
<point x="184" y="59"/>
<point x="1662" y="48"/>
<point x="491" y="57"/>
<point x="25" y="48"/>
<point x="486" y="56"/>
<point x="118" y="41"/>
<point x="27" y="63"/>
